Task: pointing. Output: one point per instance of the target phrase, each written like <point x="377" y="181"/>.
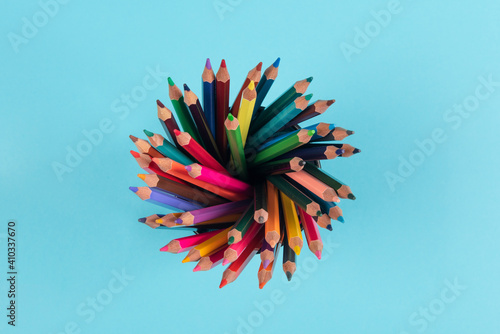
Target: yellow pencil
<point x="292" y="225"/>
<point x="246" y="110"/>
<point x="207" y="247"/>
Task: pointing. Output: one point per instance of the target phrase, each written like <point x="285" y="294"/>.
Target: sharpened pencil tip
<point x="259" y="66"/>
<point x="349" y="132"/>
<point x="197" y="268"/>
<point x="341" y="219"/>
<point x="164" y="249"/>
<point x="135" y="154"/>
<point x="330" y="102"/>
<point x="230" y="240"/>
<point x="178" y="221"/>
<point x="225" y="261"/>
<point x="309" y="79"/>
<point x="161" y="105"/>
<point x="339" y="151"/>
<point x="261" y="220"/>
<point x="141" y="220"/>
<point x="159" y="221"/>
<point x="142" y="176"/>
<point x="311" y="132"/>
<point x="265" y="263"/>
<point x="223" y="63"/>
<point x="186" y="88"/>
<point x="231" y="117"/>
<point x="223" y="283"/>
<point x="251" y="85"/>
<point x="318" y="254"/>
<point x="188" y="168"/>
<point x="261" y="285"/>
<point x="288" y="276"/>
<point x="296" y="249"/>
<point x="148" y="133"/>
<point x="170" y="81"/>
<point x="134" y="138"/>
<point x="308" y="97"/>
<point x="356" y="150"/>
<point x="302" y="163"/>
<point x="186" y="259"/>
<point x="351" y="196"/>
<point x="329" y="227"/>
<point x="319" y="213"/>
<point x="277" y="62"/>
<point x="134" y="189"/>
<point x="207" y="64"/>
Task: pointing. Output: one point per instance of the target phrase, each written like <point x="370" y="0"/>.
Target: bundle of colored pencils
<point x="245" y="178"/>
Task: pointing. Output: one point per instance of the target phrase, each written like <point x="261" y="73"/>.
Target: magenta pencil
<point x="214" y="177"/>
<point x="186" y="243"/>
<point x="212" y="212"/>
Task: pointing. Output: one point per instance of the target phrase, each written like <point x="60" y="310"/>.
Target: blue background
<point x="399" y="246"/>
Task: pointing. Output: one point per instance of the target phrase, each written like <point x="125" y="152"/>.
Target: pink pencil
<point x="235" y="250"/>
<point x="312" y="233"/>
<point x="209" y="175"/>
<point x="186" y="243"/>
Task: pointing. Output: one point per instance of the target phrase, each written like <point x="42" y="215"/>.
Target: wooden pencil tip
<point x="318" y="254"/>
<point x="296" y="249"/>
<point x="186" y="259"/>
<point x="223" y="63"/>
<point x="223" y="283"/>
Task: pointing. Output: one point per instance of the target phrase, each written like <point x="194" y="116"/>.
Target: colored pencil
<point x="212" y="212"/>
<point x="169" y="219"/>
<point x="327" y="207"/>
<point x="253" y="75"/>
<point x="266" y="253"/>
<point x="151" y="220"/>
<point x="292" y="141"/>
<point x="158" y="197"/>
<point x="241" y="226"/>
<point x="336" y="134"/>
<point x="289" y="260"/>
<point x="246" y="110"/>
<point x="282" y="166"/>
<point x="280" y="103"/>
<point x="146" y="148"/>
<point x="314" y="185"/>
<point x="322" y="129"/>
<point x="278" y="121"/>
<point x="314" y="152"/>
<point x="184" y="244"/>
<point x="207" y="247"/>
<point x="222" y="81"/>
<point x="272" y="225"/>
<point x="181" y="110"/>
<point x="183" y="190"/>
<point x="312" y="233"/>
<point x="315" y="109"/>
<point x="210" y="261"/>
<point x="166" y="148"/>
<point x="198" y="152"/>
<point x="349" y="150"/>
<point x="212" y="176"/>
<point x="234" y="270"/>
<point x="342" y="190"/>
<point x="208" y="83"/>
<point x="297" y="196"/>
<point x="324" y="221"/>
<point x="292" y="224"/>
<point x="233" y="132"/>
<point x="235" y="249"/>
<point x="167" y="121"/>
<point x="260" y="200"/>
<point x="265" y="274"/>
<point x="265" y="83"/>
<point x="178" y="170"/>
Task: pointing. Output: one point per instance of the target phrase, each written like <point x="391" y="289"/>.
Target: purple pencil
<point x="161" y="198"/>
<point x="266" y="254"/>
<point x="212" y="212"/>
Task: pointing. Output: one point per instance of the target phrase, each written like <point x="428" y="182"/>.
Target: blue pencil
<point x="265" y="84"/>
<point x="208" y="79"/>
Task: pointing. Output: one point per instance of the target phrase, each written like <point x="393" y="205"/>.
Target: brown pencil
<point x="144" y="147"/>
<point x="168" y="122"/>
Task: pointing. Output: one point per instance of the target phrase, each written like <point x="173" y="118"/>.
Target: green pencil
<point x="342" y="190"/>
<point x="236" y="145"/>
<point x="288" y="143"/>
<point x="241" y="226"/>
<point x="181" y="110"/>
